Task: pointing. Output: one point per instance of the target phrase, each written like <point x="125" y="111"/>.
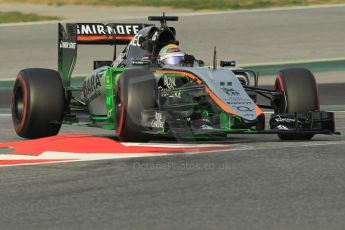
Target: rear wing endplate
<point x="90" y="34"/>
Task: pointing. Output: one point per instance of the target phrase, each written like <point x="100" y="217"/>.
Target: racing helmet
<point x="171" y="55"/>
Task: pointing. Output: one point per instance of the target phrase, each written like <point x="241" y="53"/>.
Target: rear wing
<point x="90" y="34"/>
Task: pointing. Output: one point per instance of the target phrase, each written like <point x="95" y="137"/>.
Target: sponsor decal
<point x="135" y="40"/>
<point x="158" y="121"/>
<point x="169" y="82"/>
<point x="92" y="84"/>
<point x="233" y="96"/>
<point x="155" y="36"/>
<point x="222" y="83"/>
<point x="67" y="45"/>
<point x="283" y="122"/>
<point x="282" y="127"/>
<point x="231" y="92"/>
<point x="110" y="29"/>
<point x="239" y="102"/>
<point x="284" y="119"/>
<point x="244" y="109"/>
<point x="248" y="115"/>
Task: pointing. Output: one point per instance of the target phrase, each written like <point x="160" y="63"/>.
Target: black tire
<point x="301" y="94"/>
<point x="135" y="92"/>
<point x="38" y="100"/>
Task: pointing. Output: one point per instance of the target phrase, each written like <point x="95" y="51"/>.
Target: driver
<point x="171" y="55"/>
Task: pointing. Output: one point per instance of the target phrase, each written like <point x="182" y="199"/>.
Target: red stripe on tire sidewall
<point x="122" y="112"/>
<point x="279" y="78"/>
<point x="25" y="100"/>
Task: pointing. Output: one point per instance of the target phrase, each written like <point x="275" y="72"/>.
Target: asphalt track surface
<point x="265" y="184"/>
<point x="268" y="184"/>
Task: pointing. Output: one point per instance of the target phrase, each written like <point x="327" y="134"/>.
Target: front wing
<point x="314" y="122"/>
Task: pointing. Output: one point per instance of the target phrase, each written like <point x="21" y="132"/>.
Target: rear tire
<point x="37" y="103"/>
<point x="136" y="91"/>
<point x="301" y="93"/>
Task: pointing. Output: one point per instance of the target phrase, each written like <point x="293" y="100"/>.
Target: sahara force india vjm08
<point x="139" y="96"/>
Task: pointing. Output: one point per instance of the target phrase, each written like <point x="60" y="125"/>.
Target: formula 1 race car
<point x="140" y="98"/>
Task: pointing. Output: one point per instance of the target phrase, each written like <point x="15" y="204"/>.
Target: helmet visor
<point x="175" y="60"/>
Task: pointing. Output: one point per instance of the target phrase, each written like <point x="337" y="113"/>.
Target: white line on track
<point x="126" y="156"/>
<point x="66" y="157"/>
<point x="182" y="14"/>
<point x="173" y="145"/>
<point x="72" y="156"/>
<point x="106" y="157"/>
<point x="30" y="23"/>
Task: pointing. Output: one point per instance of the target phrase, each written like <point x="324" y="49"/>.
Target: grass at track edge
<point x="15" y="16"/>
<point x="188" y="4"/>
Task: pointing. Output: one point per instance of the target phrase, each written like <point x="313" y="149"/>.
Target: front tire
<point x="136" y="91"/>
<point x="301" y="95"/>
<point x="37" y="103"/>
